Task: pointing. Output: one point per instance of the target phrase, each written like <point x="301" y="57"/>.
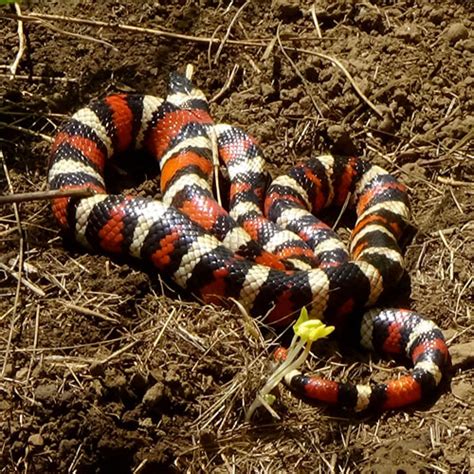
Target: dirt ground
<point x="104" y="367"/>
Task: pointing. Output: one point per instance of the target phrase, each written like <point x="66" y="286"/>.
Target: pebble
<point x="154" y="395"/>
<point x="456" y="32"/>
<point x="409" y="32"/>
<point x="462" y="355"/>
<point x="467" y="45"/>
<point x="36" y="440"/>
<point x="46" y="392"/>
<point x="463" y="390"/>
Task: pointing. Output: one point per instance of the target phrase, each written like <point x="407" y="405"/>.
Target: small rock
<point x="467" y="45"/>
<point x="4" y="405"/>
<point x="387" y="124"/>
<point x="21" y="373"/>
<point x="409" y="32"/>
<point x="8" y="372"/>
<point x="370" y="19"/>
<point x="289" y="95"/>
<point x="130" y="419"/>
<point x="46" y="392"/>
<point x="267" y="89"/>
<point x="36" y="440"/>
<point x="275" y="107"/>
<point x="436" y="15"/>
<point x="154" y="395"/>
<point x="146" y="423"/>
<point x="462" y="355"/>
<point x="306" y="103"/>
<point x="66" y="397"/>
<point x="456" y="32"/>
<point x="463" y="390"/>
<point x="267" y="130"/>
<point x="66" y="446"/>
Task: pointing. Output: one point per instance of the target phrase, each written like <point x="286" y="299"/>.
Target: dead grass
<point x="105" y="367"/>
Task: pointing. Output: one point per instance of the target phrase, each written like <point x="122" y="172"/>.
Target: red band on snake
<point x="268" y="251"/>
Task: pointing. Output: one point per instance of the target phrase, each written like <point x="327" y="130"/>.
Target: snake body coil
<point x="269" y="251"/>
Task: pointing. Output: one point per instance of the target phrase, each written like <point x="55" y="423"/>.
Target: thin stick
<point x="209" y="47"/>
<point x="117" y="353"/>
<point x="295" y="67"/>
<point x="136" y="29"/>
<point x="455" y="182"/>
<point x="315" y="20"/>
<point x="455" y="199"/>
<point x="89" y="312"/>
<point x="256" y="43"/>
<point x="20" y="268"/>
<point x="25" y="77"/>
<point x="35" y="342"/>
<point x="27" y="131"/>
<point x="21" y="280"/>
<point x="468" y="137"/>
<point x="160" y="334"/>
<point x="343" y="209"/>
<point x="46" y="24"/>
<point x="21" y="43"/>
<point x="215" y="163"/>
<point x="227" y="84"/>
<point x="45" y="195"/>
<point x="229" y="28"/>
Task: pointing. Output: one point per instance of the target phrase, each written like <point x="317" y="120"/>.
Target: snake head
<point x="183" y="93"/>
<point x="179" y="83"/>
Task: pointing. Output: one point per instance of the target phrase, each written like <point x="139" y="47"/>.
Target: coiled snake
<point x="268" y="252"/>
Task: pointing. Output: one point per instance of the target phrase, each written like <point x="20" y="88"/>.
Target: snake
<point x="268" y="250"/>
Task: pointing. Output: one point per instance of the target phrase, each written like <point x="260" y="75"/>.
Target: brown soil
<point x="101" y="372"/>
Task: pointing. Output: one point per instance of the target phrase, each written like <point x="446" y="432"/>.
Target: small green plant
<point x="306" y="332"/>
<point x="4" y="2"/>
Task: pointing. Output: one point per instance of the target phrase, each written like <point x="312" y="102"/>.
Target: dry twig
<point x="25" y="77"/>
<point x="341" y="66"/>
<point x="229" y="28"/>
<point x="298" y="73"/>
<point x="227" y="84"/>
<point x="27" y="131"/>
<point x="21" y="280"/>
<point x="21" y="43"/>
<point x="315" y="20"/>
<point x="16" y="301"/>
<point x="49" y="25"/>
<point x="45" y="195"/>
<point x="89" y="312"/>
<point x="256" y="43"/>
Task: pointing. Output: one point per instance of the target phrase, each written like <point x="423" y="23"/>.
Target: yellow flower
<point x="311" y="330"/>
